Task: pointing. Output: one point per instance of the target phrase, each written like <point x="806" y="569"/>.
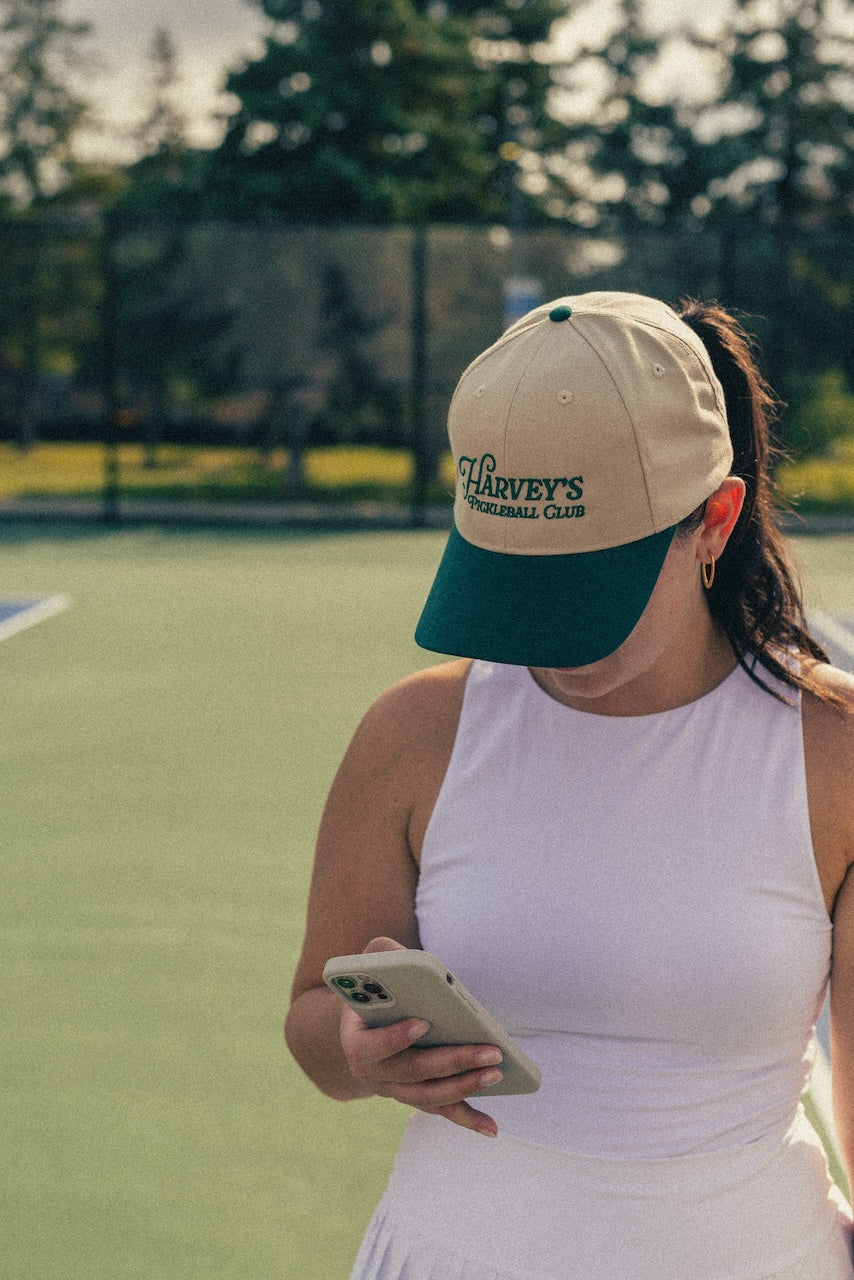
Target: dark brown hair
<point x="755" y="597"/>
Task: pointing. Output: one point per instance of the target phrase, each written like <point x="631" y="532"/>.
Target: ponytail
<point x="755" y="597"/>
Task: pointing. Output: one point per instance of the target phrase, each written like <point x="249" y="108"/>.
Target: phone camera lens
<point x="346" y="984"/>
<point x="360" y="997"/>
<point x="374" y="989"/>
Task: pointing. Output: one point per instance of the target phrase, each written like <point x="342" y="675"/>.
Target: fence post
<point x="418" y="386"/>
<point x="31" y="313"/>
<point x="111" y="513"/>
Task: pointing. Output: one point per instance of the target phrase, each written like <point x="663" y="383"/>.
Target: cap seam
<point x="629" y="417"/>
<point x="647" y="322"/>
<point x="508" y="415"/>
<point x="714" y="384"/>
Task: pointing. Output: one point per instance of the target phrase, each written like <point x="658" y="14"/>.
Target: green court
<point x="168" y="741"/>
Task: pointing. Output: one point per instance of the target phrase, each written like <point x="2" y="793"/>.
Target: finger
<point x="370" y="1056"/>
<point x="365" y="1045"/>
<point x="437" y="1092"/>
<point x="449" y="1062"/>
<point x="383" y="944"/>
<point x="467" y="1117"/>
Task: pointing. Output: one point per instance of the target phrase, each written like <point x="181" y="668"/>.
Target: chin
<point x="591" y="681"/>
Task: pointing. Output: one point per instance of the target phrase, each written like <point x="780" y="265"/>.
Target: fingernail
<point x="488" y="1133"/>
<point x="489" y="1078"/>
<point x="418" y="1028"/>
<point x="488" y="1058"/>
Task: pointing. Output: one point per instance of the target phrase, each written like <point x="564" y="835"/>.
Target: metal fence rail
<point x="277" y="337"/>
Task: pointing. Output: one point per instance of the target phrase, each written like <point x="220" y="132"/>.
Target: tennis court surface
<point x="168" y="741"/>
<point x="19" y="612"/>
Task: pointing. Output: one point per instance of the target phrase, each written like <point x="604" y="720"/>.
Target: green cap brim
<point x="539" y="611"/>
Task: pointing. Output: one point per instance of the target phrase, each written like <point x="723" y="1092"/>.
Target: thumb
<point x="383" y="944"/>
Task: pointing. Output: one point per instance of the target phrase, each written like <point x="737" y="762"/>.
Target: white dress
<point x="637" y="899"/>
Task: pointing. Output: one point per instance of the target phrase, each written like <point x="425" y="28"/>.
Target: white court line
<point x="834" y="632"/>
<point x="35" y="612"/>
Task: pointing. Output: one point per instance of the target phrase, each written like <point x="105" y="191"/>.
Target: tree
<point x="769" y="139"/>
<point x="360" y="403"/>
<point x="162" y="135"/>
<point x="386" y="110"/>
<point x="780" y="130"/>
<point x="390" y="111"/>
<point x="778" y="153"/>
<point x="173" y="336"/>
<point x="637" y="160"/>
<point x="757" y="147"/>
<point x="165" y="180"/>
<point x="39" y="112"/>
<point x="511" y="40"/>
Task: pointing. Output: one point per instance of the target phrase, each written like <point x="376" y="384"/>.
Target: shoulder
<point x="829" y="711"/>
<point x="429" y="691"/>
<point x="828" y="727"/>
<point x="417" y="714"/>
<point x="396" y="761"/>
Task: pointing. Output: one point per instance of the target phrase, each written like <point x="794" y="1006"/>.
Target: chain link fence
<point x="282" y="338"/>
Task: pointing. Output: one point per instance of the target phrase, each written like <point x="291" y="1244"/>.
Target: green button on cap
<point x="560" y="313"/>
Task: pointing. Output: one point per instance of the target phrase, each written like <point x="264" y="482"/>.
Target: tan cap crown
<point x="594" y="421"/>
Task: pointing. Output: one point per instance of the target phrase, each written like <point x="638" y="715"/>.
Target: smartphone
<point x="388" y="986"/>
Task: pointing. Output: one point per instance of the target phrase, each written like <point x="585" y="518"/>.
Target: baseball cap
<point x="580" y="439"/>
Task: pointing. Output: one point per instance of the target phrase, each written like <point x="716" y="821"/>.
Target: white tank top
<point x="637" y="899"/>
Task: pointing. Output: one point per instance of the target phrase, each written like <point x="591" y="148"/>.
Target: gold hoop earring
<point x="707" y="573"/>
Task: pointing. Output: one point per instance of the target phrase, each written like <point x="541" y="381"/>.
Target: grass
<point x="824" y="484"/>
<point x="168" y="742"/>
<point x="211" y="475"/>
<point x="347" y="473"/>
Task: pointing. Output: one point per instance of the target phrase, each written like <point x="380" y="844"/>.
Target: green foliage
<point x="164" y="182"/>
<point x="360" y="404"/>
<point x="164" y="130"/>
<point x="377" y="110"/>
<point x="639" y="163"/>
<point x="780" y="127"/>
<point x="821" y="485"/>
<point x="764" y="155"/>
<point x="49" y="310"/>
<point x="39" y="112"/>
<point x="771" y="138"/>
<point x="172" y="330"/>
<point x="824" y="414"/>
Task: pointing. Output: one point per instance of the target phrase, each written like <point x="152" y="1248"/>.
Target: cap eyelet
<point x="480" y="390"/>
<point x="658" y="370"/>
<point x="564" y="397"/>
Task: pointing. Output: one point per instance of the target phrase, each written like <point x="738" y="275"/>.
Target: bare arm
<point x="363" y="895"/>
<point x="842" y="1023"/>
<point x="829" y="739"/>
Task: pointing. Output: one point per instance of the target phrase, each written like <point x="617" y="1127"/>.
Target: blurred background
<point x="246" y="249"/>
<point x="249" y="245"/>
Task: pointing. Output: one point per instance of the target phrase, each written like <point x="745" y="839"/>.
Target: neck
<point x="681" y="673"/>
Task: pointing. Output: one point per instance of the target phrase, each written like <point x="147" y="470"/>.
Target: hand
<point x="435" y="1080"/>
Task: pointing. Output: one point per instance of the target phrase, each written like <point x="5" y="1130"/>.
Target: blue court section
<point x="19" y="612"/>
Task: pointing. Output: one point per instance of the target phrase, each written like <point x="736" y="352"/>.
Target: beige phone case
<point x="388" y="986"/>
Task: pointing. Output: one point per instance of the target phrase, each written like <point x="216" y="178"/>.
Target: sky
<point x="211" y="37"/>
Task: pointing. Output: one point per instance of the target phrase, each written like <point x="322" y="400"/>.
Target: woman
<point x="627" y="825"/>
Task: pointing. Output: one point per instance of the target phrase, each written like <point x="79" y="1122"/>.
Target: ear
<point x="723" y="507"/>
